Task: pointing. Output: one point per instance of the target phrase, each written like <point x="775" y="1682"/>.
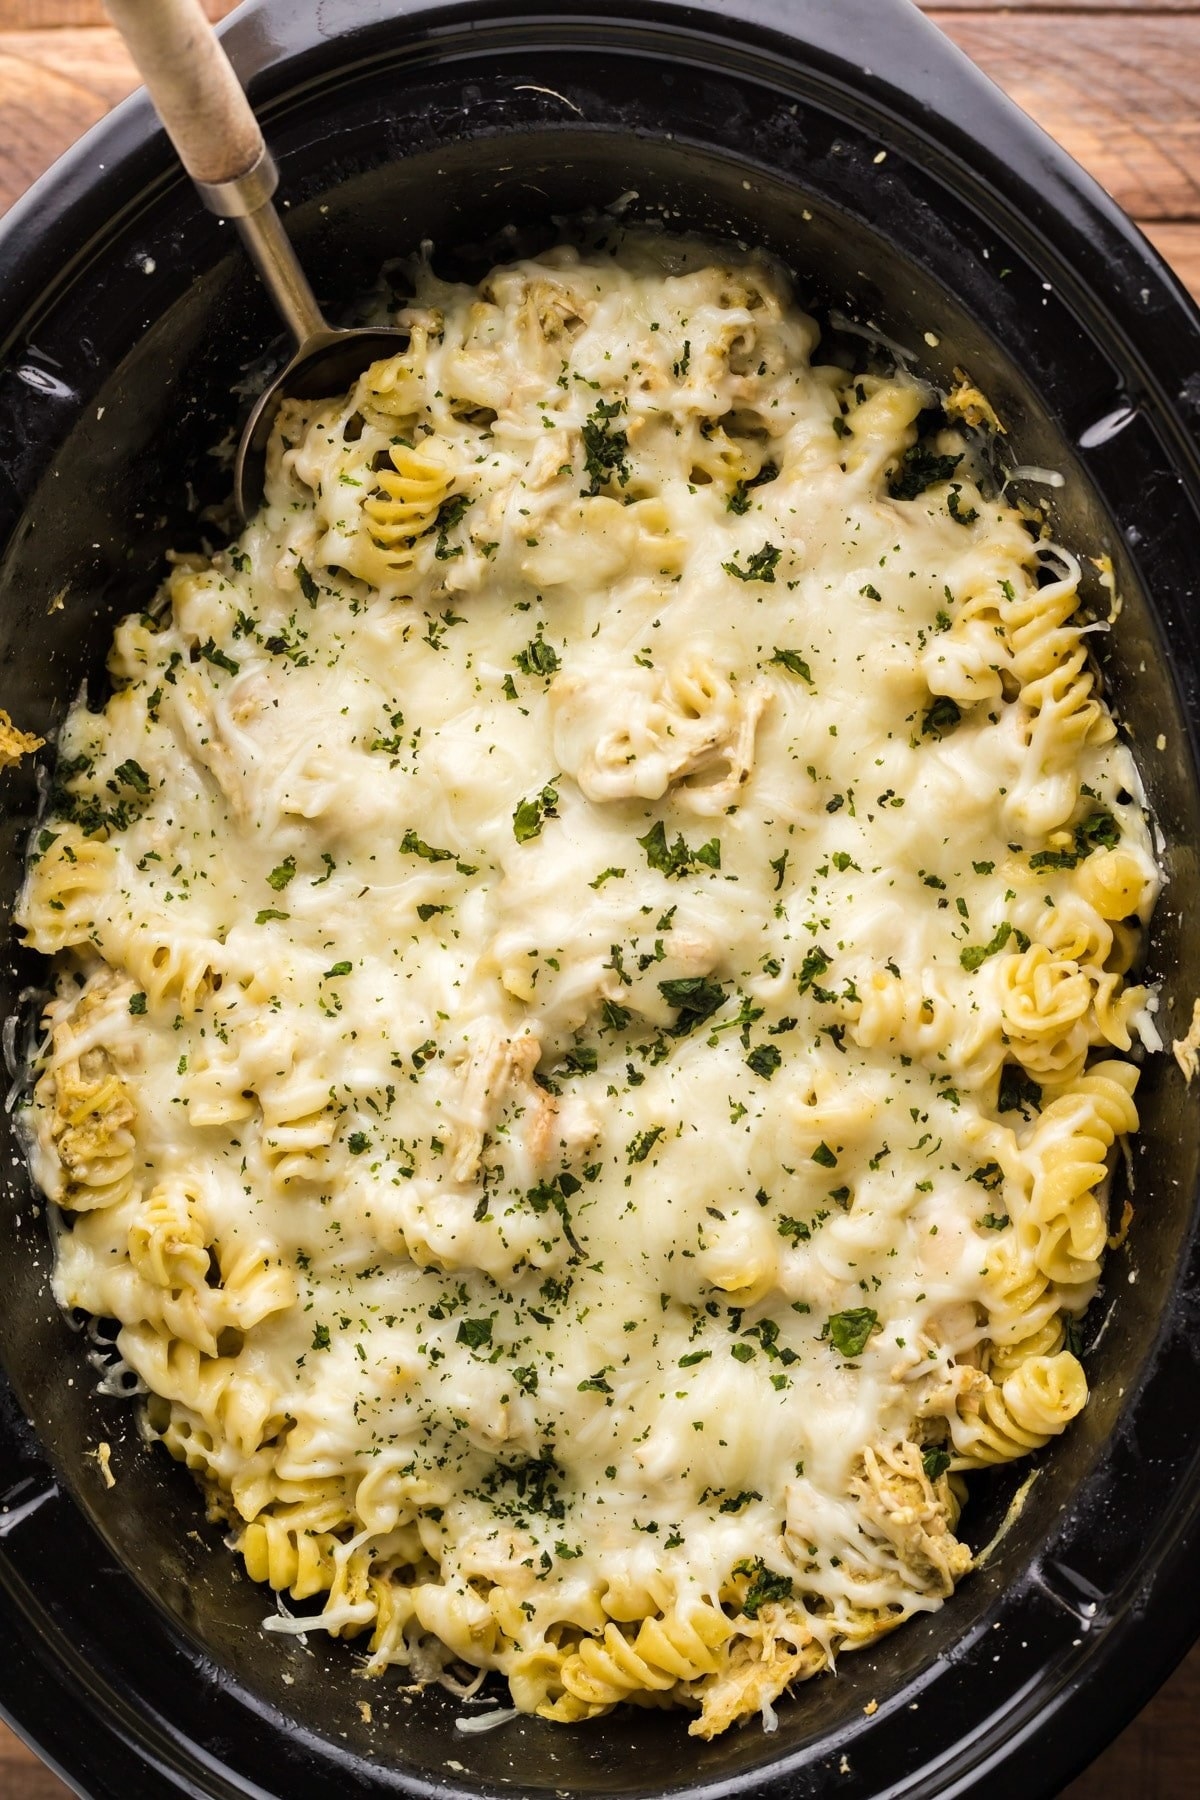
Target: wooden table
<point x="1118" y="84"/>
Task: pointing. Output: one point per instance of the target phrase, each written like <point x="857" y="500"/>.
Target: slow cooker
<point x="914" y="203"/>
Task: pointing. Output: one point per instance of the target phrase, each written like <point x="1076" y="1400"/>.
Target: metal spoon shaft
<point x="271" y="251"/>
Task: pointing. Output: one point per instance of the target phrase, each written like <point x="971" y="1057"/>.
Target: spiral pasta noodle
<point x="1010" y="1418"/>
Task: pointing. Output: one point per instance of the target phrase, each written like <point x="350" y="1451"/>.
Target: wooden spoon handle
<point x="192" y="84"/>
<point x="208" y="119"/>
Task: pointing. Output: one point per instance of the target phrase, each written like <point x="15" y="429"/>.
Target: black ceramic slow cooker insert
<point x="849" y="137"/>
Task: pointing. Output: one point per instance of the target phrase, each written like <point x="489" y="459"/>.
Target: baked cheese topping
<point x="591" y="1013"/>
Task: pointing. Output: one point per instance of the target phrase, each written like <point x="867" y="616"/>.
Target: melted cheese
<point x="571" y="907"/>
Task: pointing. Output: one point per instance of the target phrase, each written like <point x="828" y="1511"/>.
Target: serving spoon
<point x="208" y="118"/>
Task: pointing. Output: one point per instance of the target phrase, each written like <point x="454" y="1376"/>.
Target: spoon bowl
<point x="326" y="363"/>
<point x="210" y="122"/>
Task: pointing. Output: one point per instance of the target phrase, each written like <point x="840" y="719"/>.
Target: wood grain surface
<point x="1118" y="84"/>
<point x="1121" y="93"/>
<point x="16" y="14"/>
<point x="1004" y="7"/>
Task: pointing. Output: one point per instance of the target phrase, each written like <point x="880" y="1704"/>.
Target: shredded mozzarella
<point x="585" y="939"/>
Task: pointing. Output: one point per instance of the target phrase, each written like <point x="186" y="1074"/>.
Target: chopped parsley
<point x="697" y="998"/>
<point x="555" y="1194"/>
<point x="941" y="717"/>
<point x="919" y="468"/>
<point x="84" y="809"/>
<point x="677" y="859"/>
<point x="962" y="515"/>
<point x="764" y="1059"/>
<point x="131" y="774"/>
<point x="639" y="1147"/>
<point x="739" y="500"/>
<point x="989" y="1177"/>
<point x="534" y="1481"/>
<point x="766" y="1587"/>
<point x="1018" y="1091"/>
<point x="848" y="1331"/>
<point x="449" y="514"/>
<point x="532" y="814"/>
<point x="282" y="874"/>
<point x="606" y="449"/>
<point x="412" y="845"/>
<point x="759" y="567"/>
<point x="734" y="1503"/>
<point x="1099" y="831"/>
<point x="794" y="663"/>
<point x="538" y="657"/>
<point x="815" y="963"/>
<point x="595" y="1384"/>
<point x="218" y="658"/>
<point x="975" y="955"/>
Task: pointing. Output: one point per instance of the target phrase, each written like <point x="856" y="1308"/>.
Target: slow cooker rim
<point x="131" y="144"/>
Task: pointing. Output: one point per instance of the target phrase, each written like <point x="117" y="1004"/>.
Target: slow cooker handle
<point x="208" y="119"/>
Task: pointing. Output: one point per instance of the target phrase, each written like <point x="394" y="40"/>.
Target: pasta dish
<point x="592" y="1005"/>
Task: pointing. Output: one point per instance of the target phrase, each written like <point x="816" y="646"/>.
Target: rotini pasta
<point x="592" y="1011"/>
<point x="1010" y="1418"/>
<point x="1066" y="1225"/>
